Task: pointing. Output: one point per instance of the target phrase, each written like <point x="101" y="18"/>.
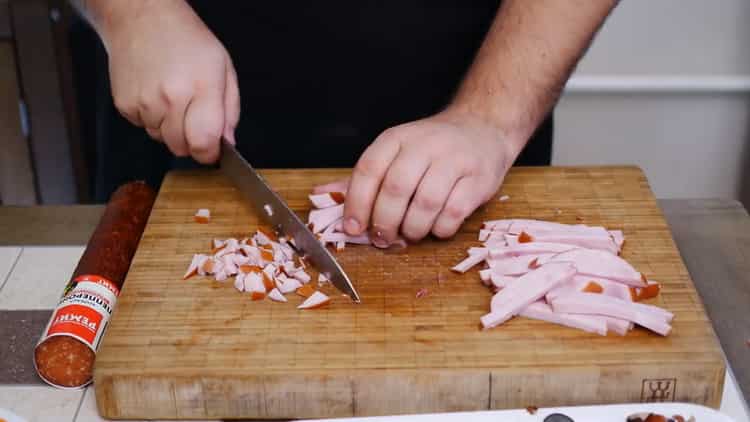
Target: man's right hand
<point x="171" y="75"/>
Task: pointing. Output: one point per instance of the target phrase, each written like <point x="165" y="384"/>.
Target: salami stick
<point x="64" y="356"/>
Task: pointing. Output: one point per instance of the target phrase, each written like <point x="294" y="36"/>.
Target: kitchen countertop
<point x="40" y="246"/>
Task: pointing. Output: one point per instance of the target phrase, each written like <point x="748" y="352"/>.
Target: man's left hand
<point x="426" y="176"/>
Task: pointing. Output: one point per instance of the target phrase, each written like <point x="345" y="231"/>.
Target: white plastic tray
<point x="608" y="413"/>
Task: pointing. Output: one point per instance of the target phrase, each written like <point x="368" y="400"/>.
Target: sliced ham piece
<point x="526" y="290"/>
<point x="534" y="248"/>
<point x="646" y="316"/>
<point x="515" y="266"/>
<point x="302" y="276"/>
<point x="543" y="312"/>
<point x="322" y="218"/>
<point x="202" y="216"/>
<point x="195" y="265"/>
<point x="362" y="239"/>
<point x="486" y="276"/>
<point x="580" y="282"/>
<point x="316" y="300"/>
<point x="471" y="261"/>
<point x="327" y="199"/>
<point x="340" y="245"/>
<point x="261" y="239"/>
<point x="254" y="285"/>
<point x="497" y="225"/>
<point x="537" y="226"/>
<point x="276" y="296"/>
<point x="239" y="282"/>
<point x="584" y="240"/>
<point x="322" y="279"/>
<point x="337" y="186"/>
<point x="600" y="264"/>
<point x="502" y="281"/>
<point x="484" y="235"/>
<point x="286" y="284"/>
<point x="617" y="325"/>
<point x="229" y="265"/>
<point x="618" y="238"/>
<point x="652" y="290"/>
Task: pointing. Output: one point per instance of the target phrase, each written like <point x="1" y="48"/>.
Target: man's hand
<point x="170" y="75"/>
<point x="426" y="176"/>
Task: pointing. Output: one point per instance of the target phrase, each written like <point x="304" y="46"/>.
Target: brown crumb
<point x="532" y="410"/>
<point x="422" y="293"/>
<point x="579" y="218"/>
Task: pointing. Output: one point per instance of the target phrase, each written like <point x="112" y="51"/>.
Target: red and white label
<point x="84" y="310"/>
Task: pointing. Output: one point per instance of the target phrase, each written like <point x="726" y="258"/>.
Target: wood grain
<point x="198" y="349"/>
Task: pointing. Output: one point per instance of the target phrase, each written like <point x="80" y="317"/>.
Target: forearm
<point x="527" y="55"/>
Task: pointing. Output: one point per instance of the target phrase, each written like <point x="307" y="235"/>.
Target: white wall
<point x="666" y="86"/>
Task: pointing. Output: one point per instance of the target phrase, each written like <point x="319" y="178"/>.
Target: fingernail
<point x="378" y="240"/>
<point x="229" y="135"/>
<point x="351" y="226"/>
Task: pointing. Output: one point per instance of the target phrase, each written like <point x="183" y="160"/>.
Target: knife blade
<point x="274" y="210"/>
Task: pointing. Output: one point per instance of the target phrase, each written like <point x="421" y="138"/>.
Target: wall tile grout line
<point x="80" y="404"/>
<point x="12" y="267"/>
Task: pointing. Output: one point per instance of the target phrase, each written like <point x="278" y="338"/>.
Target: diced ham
<point x="302" y="276"/>
<point x="646" y="316"/>
<point x="287" y="250"/>
<point x="305" y="291"/>
<point x="526" y="290"/>
<point x="261" y="239"/>
<point x="652" y="290"/>
<point x="286" y="284"/>
<point x="254" y="285"/>
<point x="270" y="234"/>
<point x="322" y="279"/>
<point x="195" y="265"/>
<point x="486" y="276"/>
<point x="543" y="312"/>
<point x="240" y="259"/>
<point x="229" y="266"/>
<point x="202" y="216"/>
<point x="328" y="199"/>
<point x="337" y="186"/>
<point x="316" y="300"/>
<point x="600" y="264"/>
<point x="253" y="253"/>
<point x="471" y="261"/>
<point x="584" y="240"/>
<point x="534" y="248"/>
<point x="239" y="282"/>
<point x="276" y="296"/>
<point x="340" y="245"/>
<point x="322" y="218"/>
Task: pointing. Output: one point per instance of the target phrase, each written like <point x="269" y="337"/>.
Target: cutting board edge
<point x="343" y="392"/>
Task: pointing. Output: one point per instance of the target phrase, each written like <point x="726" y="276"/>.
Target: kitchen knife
<point x="271" y="208"/>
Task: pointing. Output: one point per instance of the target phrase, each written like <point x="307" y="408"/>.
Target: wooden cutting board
<point x="199" y="349"/>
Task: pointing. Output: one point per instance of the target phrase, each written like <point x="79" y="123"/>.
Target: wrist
<point x="511" y="134"/>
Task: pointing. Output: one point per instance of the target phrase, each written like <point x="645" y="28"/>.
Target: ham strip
<point x="327" y="199"/>
<point x="322" y="218"/>
<point x="362" y="239"/>
<point x="619" y="326"/>
<point x="502" y="281"/>
<point x="534" y="248"/>
<point x="497" y="225"/>
<point x="618" y="238"/>
<point x="600" y="242"/>
<point x="652" y="318"/>
<point x="526" y="290"/>
<point x="515" y="266"/>
<point x="543" y="312"/>
<point x="600" y="264"/>
<point x="536" y="226"/>
<point x="484" y="235"/>
<point x="472" y="260"/>
<point x="579" y="283"/>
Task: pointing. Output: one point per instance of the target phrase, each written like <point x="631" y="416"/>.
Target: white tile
<point x="42" y="403"/>
<point x="88" y="412"/>
<point x="732" y="403"/>
<point x="39" y="277"/>
<point x="8" y="257"/>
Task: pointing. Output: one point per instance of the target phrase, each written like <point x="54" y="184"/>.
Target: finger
<point x="152" y="111"/>
<point x="365" y="182"/>
<point x="399" y="185"/>
<point x="129" y="111"/>
<point x="154" y="133"/>
<point x="231" y="104"/>
<point x="204" y="120"/>
<point x="466" y="196"/>
<point x="429" y="200"/>
<point x="173" y="129"/>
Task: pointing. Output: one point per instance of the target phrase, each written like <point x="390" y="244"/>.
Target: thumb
<point x="204" y="121"/>
<point x="231" y="103"/>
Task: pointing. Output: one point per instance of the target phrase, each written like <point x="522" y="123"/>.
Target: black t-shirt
<point x="320" y="80"/>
